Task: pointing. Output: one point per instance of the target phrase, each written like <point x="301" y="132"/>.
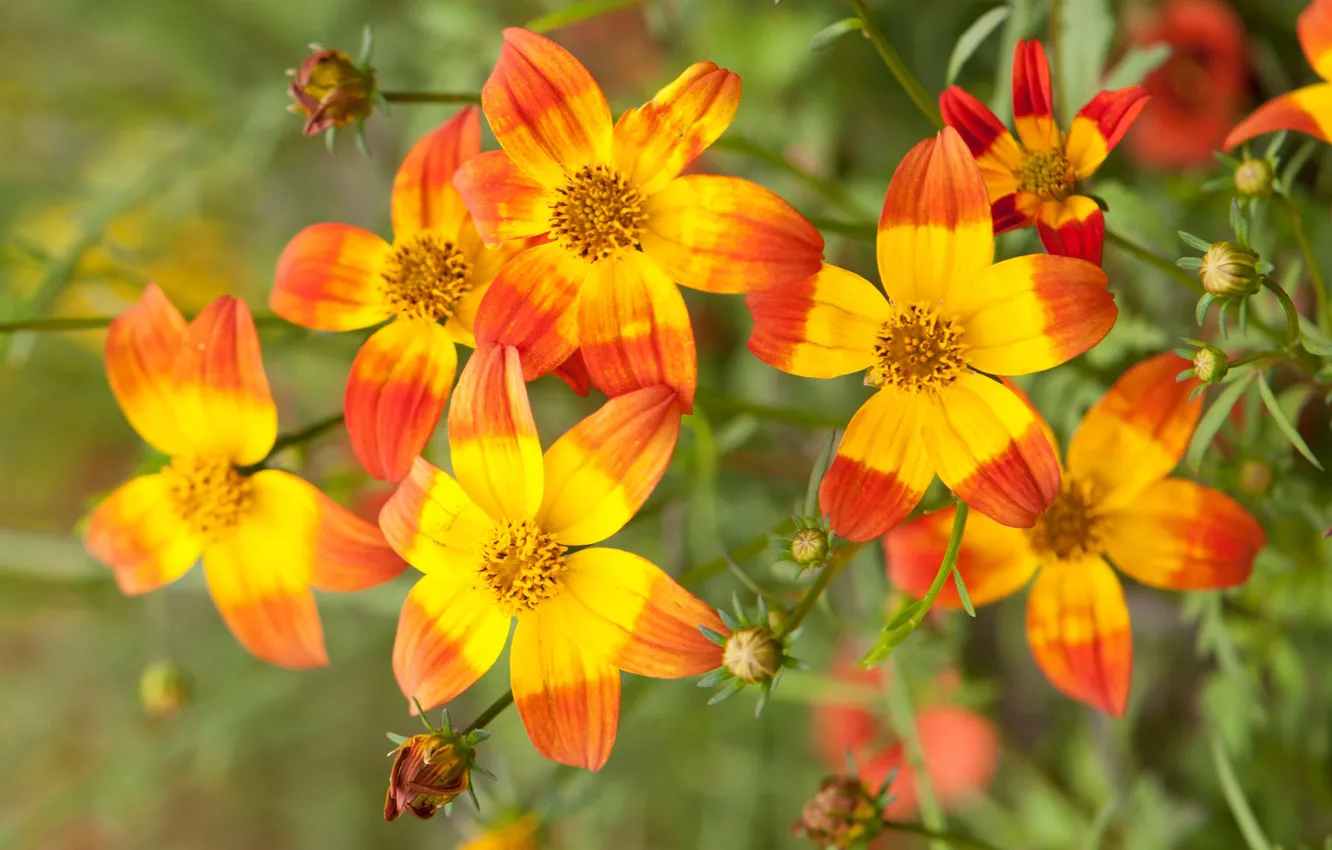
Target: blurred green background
<point x="148" y="140"/>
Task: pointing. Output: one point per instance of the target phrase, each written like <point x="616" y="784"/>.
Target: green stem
<point x="806" y="604"/>
<point x="905" y="78"/>
<point x="744" y="551"/>
<point x="1257" y="356"/>
<point x="430" y="97"/>
<point x="1311" y="260"/>
<point x="1292" y="315"/>
<point x="495" y="710"/>
<point x="903" y="716"/>
<point x="949" y="562"/>
<point x="1151" y="258"/>
<point x="1239" y="806"/>
<point x="960" y="841"/>
<point x="58" y="324"/>
<point x="305" y="435"/>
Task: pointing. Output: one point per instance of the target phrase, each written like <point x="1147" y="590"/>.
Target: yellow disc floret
<point x="598" y="214"/>
<point x="917" y="350"/>
<point x="425" y="277"/>
<point x="1048" y="174"/>
<point x="1070" y="529"/>
<point x="521" y="564"/>
<point x="208" y="493"/>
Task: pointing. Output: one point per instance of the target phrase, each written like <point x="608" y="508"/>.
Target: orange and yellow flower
<point x="494" y="545"/>
<point x="1307" y="110"/>
<point x="1116" y="503"/>
<point x="520" y="833"/>
<point x="621" y="226"/>
<point x="951" y="315"/>
<point x="198" y="393"/>
<point x="1037" y="181"/>
<point x="429" y="281"/>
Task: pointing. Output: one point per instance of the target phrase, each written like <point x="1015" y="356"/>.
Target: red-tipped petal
<point x="1307" y="110"/>
<point x="1033" y="103"/>
<point x="423" y="194"/>
<point x="142" y="347"/>
<point x="996" y="151"/>
<point x="1099" y="126"/>
<point x="328" y="279"/>
<point x="1074" y="227"/>
<point x="505" y="203"/>
<point x="432" y="523"/>
<point x="533" y="307"/>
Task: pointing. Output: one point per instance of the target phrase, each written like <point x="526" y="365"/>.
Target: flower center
<point x="209" y="494"/>
<point x="598" y="214"/>
<point x="917" y="350"/>
<point x="425" y="277"/>
<point x="1071" y="529"/>
<point x="521" y="564"/>
<point x="1048" y="174"/>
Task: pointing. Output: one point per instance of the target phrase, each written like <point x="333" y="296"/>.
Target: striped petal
<point x="1078" y="628"/>
<point x="1034" y="312"/>
<point x="450" y="633"/>
<point x="137" y="532"/>
<point x="567" y="697"/>
<point x="989" y="448"/>
<point x="1073" y="227"/>
<point x="430" y="521"/>
<point x="820" y="327"/>
<point x="996" y="151"/>
<point x="1180" y="535"/>
<point x="622" y="607"/>
<point x="573" y="371"/>
<point x="1099" y="126"/>
<point x="1033" y="104"/>
<point x="493" y="438"/>
<point x="350" y="554"/>
<point x="533" y="307"/>
<point x="328" y="279"/>
<point x="396" y="392"/>
<point x="881" y="469"/>
<point x="1307" y="110"/>
<point x="1147" y="416"/>
<point x="724" y="234"/>
<point x="634" y="330"/>
<point x="603" y="469"/>
<point x="658" y="140"/>
<point x="225" y="407"/>
<point x="935" y="232"/>
<point x="423" y="194"/>
<point x="1314" y="27"/>
<point x="994" y="560"/>
<point x="142" y="347"/>
<point x="505" y="203"/>
<point x="547" y="112"/>
<point x="486" y="264"/>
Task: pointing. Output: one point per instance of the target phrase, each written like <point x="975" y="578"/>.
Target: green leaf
<point x="1274" y="146"/>
<point x="1137" y="63"/>
<point x="1295" y="164"/>
<point x="1200" y="312"/>
<point x="367" y="51"/>
<point x="1314" y="341"/>
<point x="1215" y="417"/>
<point x="962" y="592"/>
<point x="1189" y="263"/>
<point x="1239" y="223"/>
<point x="1195" y="242"/>
<point x="712" y="636"/>
<point x="834" y="31"/>
<point x="732" y="688"/>
<point x="973" y="38"/>
<point x="1086" y="28"/>
<point x="713" y="678"/>
<point x="730" y="621"/>
<point x="1269" y="400"/>
<point x="576" y="13"/>
<point x="399" y="740"/>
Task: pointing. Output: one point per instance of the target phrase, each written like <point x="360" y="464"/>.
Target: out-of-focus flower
<point x="494" y="544"/>
<point x="1037" y="181"/>
<point x="520" y="833"/>
<point x="331" y="90"/>
<point x="163" y="689"/>
<point x="1116" y="501"/>
<point x="1229" y="270"/>
<point x="842" y="814"/>
<point x="620" y="226"/>
<point x="198" y="393"/>
<point x="953" y="314"/>
<point x="1307" y="110"/>
<point x="429" y="771"/>
<point x="1197" y="93"/>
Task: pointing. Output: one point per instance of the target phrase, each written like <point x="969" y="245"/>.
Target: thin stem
<point x="495" y="710"/>
<point x="1151" y="258"/>
<point x="1239" y="806"/>
<point x="806" y="604"/>
<point x="430" y="97"/>
<point x="1292" y="315"/>
<point x="1310" y="260"/>
<point x="305" y="435"/>
<point x="1256" y="356"/>
<point x="744" y="551"/>
<point x="59" y="324"/>
<point x="949" y="562"/>
<point x="903" y="716"/>
<point x="914" y="90"/>
<point x="961" y="841"/>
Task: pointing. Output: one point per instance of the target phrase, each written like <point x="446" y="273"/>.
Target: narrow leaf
<point x="962" y="592"/>
<point x="716" y="638"/>
<point x="1314" y="341"/>
<point x="732" y="688"/>
<point x="1215" y="417"/>
<point x="713" y="678"/>
<point x="973" y="38"/>
<point x="1269" y="400"/>
<point x="1196" y="242"/>
<point x="1137" y="63"/>
<point x="396" y="739"/>
<point x="834" y="31"/>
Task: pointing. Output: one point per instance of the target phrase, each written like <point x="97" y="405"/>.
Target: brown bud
<point x="163" y="689"/>
<point x="1254" y="178"/>
<point x="428" y="772"/>
<point x="330" y="91"/>
<point x="1228" y="270"/>
<point x="1210" y="364"/>
<point x="841" y="814"/>
<point x="752" y="655"/>
<point x="809" y="546"/>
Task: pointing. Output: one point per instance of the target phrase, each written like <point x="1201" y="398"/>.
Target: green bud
<point x="1254" y="178"/>
<point x="1210" y="364"/>
<point x="809" y="546"/>
<point x="753" y="655"/>
<point x="1229" y="270"/>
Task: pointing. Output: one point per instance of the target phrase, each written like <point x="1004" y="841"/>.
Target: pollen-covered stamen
<point x="1048" y="174"/>
<point x="521" y="564"/>
<point x="1071" y="528"/>
<point x="917" y="350"/>
<point x="425" y="277"/>
<point x="599" y="213"/>
<point x="208" y="493"/>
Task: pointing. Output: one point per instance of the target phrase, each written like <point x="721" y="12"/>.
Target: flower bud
<point x="840" y="815"/>
<point x="1210" y="364"/>
<point x="1254" y="178"/>
<point x="752" y="655"/>
<point x="330" y="91"/>
<point x="1255" y="476"/>
<point x="809" y="546"/>
<point x="163" y="689"/>
<point x="429" y="771"/>
<point x="1228" y="270"/>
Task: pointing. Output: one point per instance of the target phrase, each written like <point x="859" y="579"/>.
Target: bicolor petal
<point x="994" y="560"/>
<point x="1307" y="110"/>
<point x="505" y="203"/>
<point x="658" y="140"/>
<point x="1033" y="103"/>
<point x="432" y="523"/>
<point x="989" y="448"/>
<point x="1073" y="227"/>
<point x="545" y="109"/>
<point x="881" y="468"/>
<point x="1180" y="535"/>
<point x="935" y="232"/>
<point x="533" y="306"/>
<point x="1099" y="126"/>
<point x="396" y="392"/>
<point x="328" y="279"/>
<point x="567" y="697"/>
<point x="424" y="197"/>
<point x="493" y="438"/>
<point x="138" y="533"/>
<point x="142" y="347"/>
<point x="1314" y="27"/>
<point x="634" y="331"/>
<point x="727" y="235"/>
<point x="820" y="327"/>
<point x="1078" y="628"/>
<point x="1009" y="213"/>
<point x="996" y="151"/>
<point x="1147" y="416"/>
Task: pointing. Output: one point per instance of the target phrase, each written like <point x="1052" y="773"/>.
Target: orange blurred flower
<point x="620" y="225"/>
<point x="953" y="315"/>
<point x="1116" y="502"/>
<point x="1037" y="181"/>
<point x="1307" y="110"/>
<point x="198" y="393"/>
<point x="521" y="833"/>
<point x="494" y="544"/>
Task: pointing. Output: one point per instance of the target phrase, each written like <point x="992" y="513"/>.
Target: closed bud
<point x="1254" y="178"/>
<point x="331" y="91"/>
<point x="1229" y="270"/>
<point x="429" y="771"/>
<point x="809" y="546"/>
<point x="1255" y="476"/>
<point x="841" y="814"/>
<point x="163" y="689"/>
<point x="1210" y="364"/>
<point x="752" y="655"/>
